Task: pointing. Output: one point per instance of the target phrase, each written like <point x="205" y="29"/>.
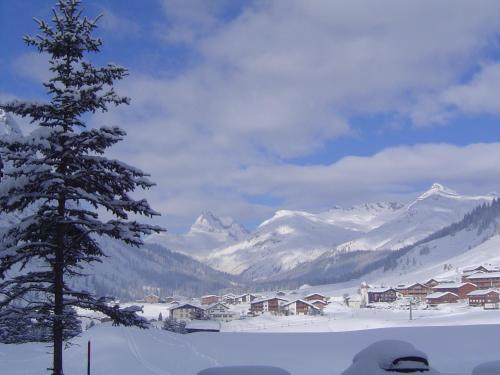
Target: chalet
<point x="319" y="304"/>
<point x="209" y="299"/>
<point x="485" y="280"/>
<point x="186" y="311"/>
<point x="152" y="298"/>
<point x="482" y="268"/>
<point x="466" y="272"/>
<point x="202" y="326"/>
<point x="462" y="290"/>
<point x="220" y="312"/>
<point x="300" y="307"/>
<point x="481" y="297"/>
<point x="273" y="305"/>
<point x="431" y="283"/>
<point x="246" y="298"/>
<point x="438" y="298"/>
<point x="169" y="299"/>
<point x="414" y="290"/>
<point x="382" y="295"/>
<point x="316" y="297"/>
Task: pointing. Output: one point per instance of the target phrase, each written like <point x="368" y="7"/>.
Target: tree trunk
<point x="57" y="327"/>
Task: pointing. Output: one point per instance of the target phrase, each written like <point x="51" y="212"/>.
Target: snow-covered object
<point x="7" y="125"/>
<point x="488" y="368"/>
<point x="203" y="325"/>
<point x="436" y="208"/>
<point x="244" y="370"/>
<point x="207" y="233"/>
<point x="389" y="356"/>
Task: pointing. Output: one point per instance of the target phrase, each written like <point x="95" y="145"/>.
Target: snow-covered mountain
<point x="292" y="237"/>
<point x="473" y="240"/>
<point x="287" y="243"/>
<point x="207" y="233"/>
<point x="436" y="208"/>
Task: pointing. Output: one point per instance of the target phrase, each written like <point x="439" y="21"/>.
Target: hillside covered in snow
<point x="340" y="243"/>
<point x="293" y="237"/>
<point x="471" y="241"/>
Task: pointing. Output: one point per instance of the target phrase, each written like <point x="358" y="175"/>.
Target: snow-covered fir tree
<point x="61" y="182"/>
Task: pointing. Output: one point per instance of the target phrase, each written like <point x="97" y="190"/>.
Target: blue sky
<point x="244" y="107"/>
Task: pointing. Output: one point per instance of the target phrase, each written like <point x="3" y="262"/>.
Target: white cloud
<point x="190" y="20"/>
<point x="480" y="95"/>
<point x="118" y="26"/>
<point x="32" y="65"/>
<point x="281" y="80"/>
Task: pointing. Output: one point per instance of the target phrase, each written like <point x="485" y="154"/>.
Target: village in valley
<point x="475" y="288"/>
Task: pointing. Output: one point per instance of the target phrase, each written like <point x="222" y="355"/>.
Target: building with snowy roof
<point x="209" y="299"/>
<point x="300" y="307"/>
<point x="439" y="298"/>
<point x="481" y="297"/>
<point x="485" y="280"/>
<point x="220" y="312"/>
<point x="274" y="305"/>
<point x="315" y="297"/>
<point x="186" y="311"/>
<point x="460" y="289"/>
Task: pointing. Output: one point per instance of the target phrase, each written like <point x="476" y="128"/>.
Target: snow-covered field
<point x="123" y="351"/>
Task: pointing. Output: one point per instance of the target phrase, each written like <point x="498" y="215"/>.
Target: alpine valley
<point x="438" y="232"/>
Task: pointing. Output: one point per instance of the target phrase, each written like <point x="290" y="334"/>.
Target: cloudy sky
<point x="246" y="107"/>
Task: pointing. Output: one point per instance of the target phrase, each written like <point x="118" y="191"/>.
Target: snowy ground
<point x="123" y="351"/>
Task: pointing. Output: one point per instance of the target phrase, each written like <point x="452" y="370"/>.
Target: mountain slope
<point x="130" y="272"/>
<point x="442" y="254"/>
<point x="292" y="237"/>
<point x="431" y="211"/>
<point x="207" y="233"/>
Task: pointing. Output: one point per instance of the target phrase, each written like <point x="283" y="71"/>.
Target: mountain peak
<point x="438" y="189"/>
<point x="209" y="223"/>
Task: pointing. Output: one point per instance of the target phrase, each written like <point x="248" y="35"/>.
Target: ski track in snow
<point x="196" y="352"/>
<point x="134" y="350"/>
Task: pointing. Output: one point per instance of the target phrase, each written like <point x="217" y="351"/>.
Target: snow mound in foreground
<point x="393" y="356"/>
<point x="244" y="370"/>
<point x="488" y="368"/>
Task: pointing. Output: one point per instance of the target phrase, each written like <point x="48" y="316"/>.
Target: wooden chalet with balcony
<point x="416" y="290"/>
<point x="462" y="290"/>
<point x="484" y="280"/>
<point x="273" y="305"/>
<point x="439" y="298"/>
<point x="186" y="311"/>
<point x="315" y="297"/>
<point x="481" y="297"/>
<point x="300" y="307"/>
<point x="209" y="299"/>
